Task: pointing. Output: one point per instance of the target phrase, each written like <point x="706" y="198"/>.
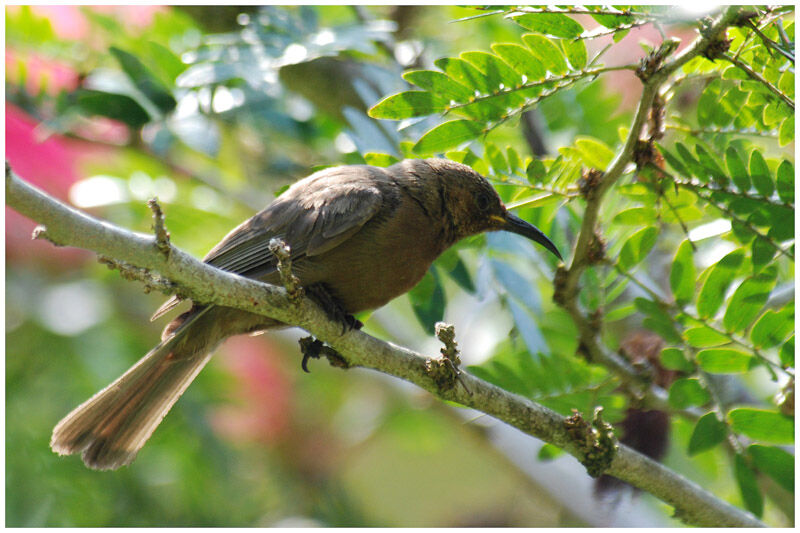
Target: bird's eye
<point x="483" y="201"/>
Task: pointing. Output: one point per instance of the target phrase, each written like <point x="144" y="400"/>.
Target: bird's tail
<point x="111" y="427"/>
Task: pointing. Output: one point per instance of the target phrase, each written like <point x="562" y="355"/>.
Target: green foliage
<point x="697" y="249"/>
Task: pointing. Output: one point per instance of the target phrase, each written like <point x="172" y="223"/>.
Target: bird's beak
<point x="514" y="224"/>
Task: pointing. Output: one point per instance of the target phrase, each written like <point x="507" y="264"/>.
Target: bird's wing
<point x="311" y="219"/>
<point x="311" y="224"/>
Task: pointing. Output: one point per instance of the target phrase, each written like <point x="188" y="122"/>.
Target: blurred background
<point x="216" y="110"/>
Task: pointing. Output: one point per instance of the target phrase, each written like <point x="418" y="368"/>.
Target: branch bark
<point x="65" y="226"/>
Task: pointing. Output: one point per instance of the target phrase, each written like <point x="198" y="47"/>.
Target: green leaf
<point x="674" y="359"/>
<point x="408" y="104"/>
<point x="676" y="164"/>
<point x="724" y="361"/>
<point x="618" y="313"/>
<point x="786" y="132"/>
<point x="787" y="353"/>
<point x="521" y="60"/>
<point x="737" y="169"/>
<point x="427" y="300"/>
<point x="707" y="104"/>
<point x="749" y="298"/>
<point x="496" y="70"/>
<point x="447" y="135"/>
<point x="762" y="425"/>
<point x="773" y="327"/>
<point x="707" y="160"/>
<point x="708" y="432"/>
<point x="762" y="252"/>
<point x="658" y="320"/>
<point x="439" y="84"/>
<point x="548" y="53"/>
<point x="774" y="462"/>
<point x="496" y="158"/>
<point x="380" y="160"/>
<point x="760" y="174"/>
<point x="682" y="277"/>
<point x="144" y="80"/>
<point x="719" y="278"/>
<point x="748" y="487"/>
<point x="686" y="392"/>
<point x="637" y="247"/>
<point x="635" y="216"/>
<point x="594" y="152"/>
<point x="575" y="52"/>
<point x="692" y="164"/>
<point x="786" y="83"/>
<point x="115" y="106"/>
<point x="466" y="74"/>
<point x="535" y="171"/>
<point x="555" y="24"/>
<point x="549" y="452"/>
<point x="785" y="181"/>
<point x="703" y="336"/>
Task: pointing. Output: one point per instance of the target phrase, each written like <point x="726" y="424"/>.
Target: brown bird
<point x="359" y="236"/>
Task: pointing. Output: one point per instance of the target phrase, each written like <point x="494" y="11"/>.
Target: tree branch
<point x="206" y="284"/>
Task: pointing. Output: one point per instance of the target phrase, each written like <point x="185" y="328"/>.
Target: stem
<point x="759" y="78"/>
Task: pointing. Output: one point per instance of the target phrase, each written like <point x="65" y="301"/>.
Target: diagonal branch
<point x="204" y="283"/>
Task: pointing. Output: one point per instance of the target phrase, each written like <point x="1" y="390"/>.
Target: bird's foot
<point x="333" y="308"/>
<point x="314" y="348"/>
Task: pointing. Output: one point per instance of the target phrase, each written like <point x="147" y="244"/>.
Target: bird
<point x="358" y="236"/>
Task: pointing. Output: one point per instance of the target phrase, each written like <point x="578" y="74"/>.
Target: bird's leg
<point x="333" y="308"/>
<point x="314" y="348"/>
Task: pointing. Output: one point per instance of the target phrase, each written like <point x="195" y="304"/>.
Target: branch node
<point x="151" y="280"/>
<point x="159" y="228"/>
<point x="589" y="182"/>
<point x="444" y="370"/>
<point x="283" y="253"/>
<point x="560" y="285"/>
<point x="595" y="441"/>
<point x="649" y="65"/>
<point x="597" y="249"/>
<point x="312" y="348"/>
<point x="40" y="232"/>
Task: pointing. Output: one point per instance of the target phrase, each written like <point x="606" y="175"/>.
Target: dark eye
<point x="483" y="201"/>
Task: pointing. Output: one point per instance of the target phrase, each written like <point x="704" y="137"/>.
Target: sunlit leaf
<point x="408" y="104"/>
<point x="719" y="278"/>
<point x="439" y="84"/>
<point x="555" y="24"/>
<point x="760" y="174"/>
<point x="674" y="359"/>
<point x="703" y="336"/>
<point x="773" y="327"/>
<point x="447" y="135"/>
<point x="521" y="60"/>
<point x="548" y="53"/>
<point x="724" y="360"/>
<point x="687" y="392"/>
<point x="637" y="247"/>
<point x="762" y="425"/>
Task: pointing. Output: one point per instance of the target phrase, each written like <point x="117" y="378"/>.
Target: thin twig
<point x="759" y="78"/>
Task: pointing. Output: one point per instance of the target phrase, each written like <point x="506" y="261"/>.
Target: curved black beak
<point x="514" y="224"/>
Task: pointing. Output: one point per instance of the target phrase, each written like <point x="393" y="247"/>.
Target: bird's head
<point x="474" y="206"/>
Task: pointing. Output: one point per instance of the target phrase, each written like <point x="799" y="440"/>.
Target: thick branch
<point x="204" y="283"/>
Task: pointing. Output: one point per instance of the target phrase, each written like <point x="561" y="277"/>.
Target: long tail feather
<point x="111" y="427"/>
